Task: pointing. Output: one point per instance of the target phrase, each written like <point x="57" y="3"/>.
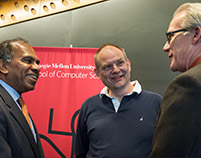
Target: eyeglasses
<point x="169" y="35"/>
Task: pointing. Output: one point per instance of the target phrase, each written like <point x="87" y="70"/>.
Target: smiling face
<point x="23" y="70"/>
<point x="113" y="69"/>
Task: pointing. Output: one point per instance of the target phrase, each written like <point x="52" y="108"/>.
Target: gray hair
<point x="193" y="15"/>
<point x="6" y="48"/>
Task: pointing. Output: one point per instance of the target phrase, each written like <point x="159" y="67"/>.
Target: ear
<point x="3" y="66"/>
<point x="197" y="35"/>
<point x="96" y="71"/>
<point x="129" y="64"/>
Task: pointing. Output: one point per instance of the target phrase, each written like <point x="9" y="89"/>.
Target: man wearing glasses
<point x="178" y="131"/>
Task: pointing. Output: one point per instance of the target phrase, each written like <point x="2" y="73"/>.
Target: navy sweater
<point x="128" y="133"/>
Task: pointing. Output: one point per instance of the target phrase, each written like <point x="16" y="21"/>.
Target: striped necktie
<point x="24" y="110"/>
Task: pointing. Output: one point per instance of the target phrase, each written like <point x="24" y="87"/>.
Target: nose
<point x="115" y="68"/>
<point x="166" y="47"/>
<point x="36" y="67"/>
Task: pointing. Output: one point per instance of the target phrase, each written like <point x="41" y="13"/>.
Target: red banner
<point x="66" y="80"/>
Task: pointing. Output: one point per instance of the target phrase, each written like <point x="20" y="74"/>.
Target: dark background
<point x="139" y="26"/>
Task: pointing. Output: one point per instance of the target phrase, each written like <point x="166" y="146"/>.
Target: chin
<point x="30" y="88"/>
<point x="173" y="68"/>
<point x="119" y="86"/>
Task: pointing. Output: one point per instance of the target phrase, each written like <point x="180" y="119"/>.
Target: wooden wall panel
<point x="15" y="11"/>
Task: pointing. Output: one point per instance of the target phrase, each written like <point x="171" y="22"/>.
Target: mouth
<point x="170" y="56"/>
<point x="33" y="77"/>
<point x="117" y="78"/>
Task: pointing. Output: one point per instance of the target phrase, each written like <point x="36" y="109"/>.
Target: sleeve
<point x="81" y="139"/>
<point x="179" y="120"/>
<point x="158" y="103"/>
<point x="5" y="151"/>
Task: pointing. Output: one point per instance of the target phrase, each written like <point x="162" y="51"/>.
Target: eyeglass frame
<point x="172" y="33"/>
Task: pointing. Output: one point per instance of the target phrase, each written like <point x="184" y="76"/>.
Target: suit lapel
<point x="17" y="114"/>
<point x="38" y="139"/>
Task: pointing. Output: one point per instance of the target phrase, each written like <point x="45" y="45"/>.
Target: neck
<point x="197" y="61"/>
<point x="120" y="92"/>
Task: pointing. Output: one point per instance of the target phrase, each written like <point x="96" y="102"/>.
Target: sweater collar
<point x="137" y="88"/>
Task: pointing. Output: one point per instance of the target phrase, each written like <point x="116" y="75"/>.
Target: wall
<point x="139" y="26"/>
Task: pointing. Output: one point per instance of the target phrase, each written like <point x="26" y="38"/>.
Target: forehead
<point x="110" y="53"/>
<point x="23" y="49"/>
<point x="176" y="22"/>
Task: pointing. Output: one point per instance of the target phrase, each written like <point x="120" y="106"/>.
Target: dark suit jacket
<point x="16" y="138"/>
<point x="178" y="131"/>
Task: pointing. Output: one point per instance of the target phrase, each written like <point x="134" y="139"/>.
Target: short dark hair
<point x="6" y="48"/>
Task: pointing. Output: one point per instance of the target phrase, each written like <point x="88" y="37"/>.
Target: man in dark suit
<point x="19" y="71"/>
<point x="178" y="130"/>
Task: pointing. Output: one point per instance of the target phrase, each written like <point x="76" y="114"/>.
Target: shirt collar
<point x="137" y="88"/>
<point x="14" y="94"/>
